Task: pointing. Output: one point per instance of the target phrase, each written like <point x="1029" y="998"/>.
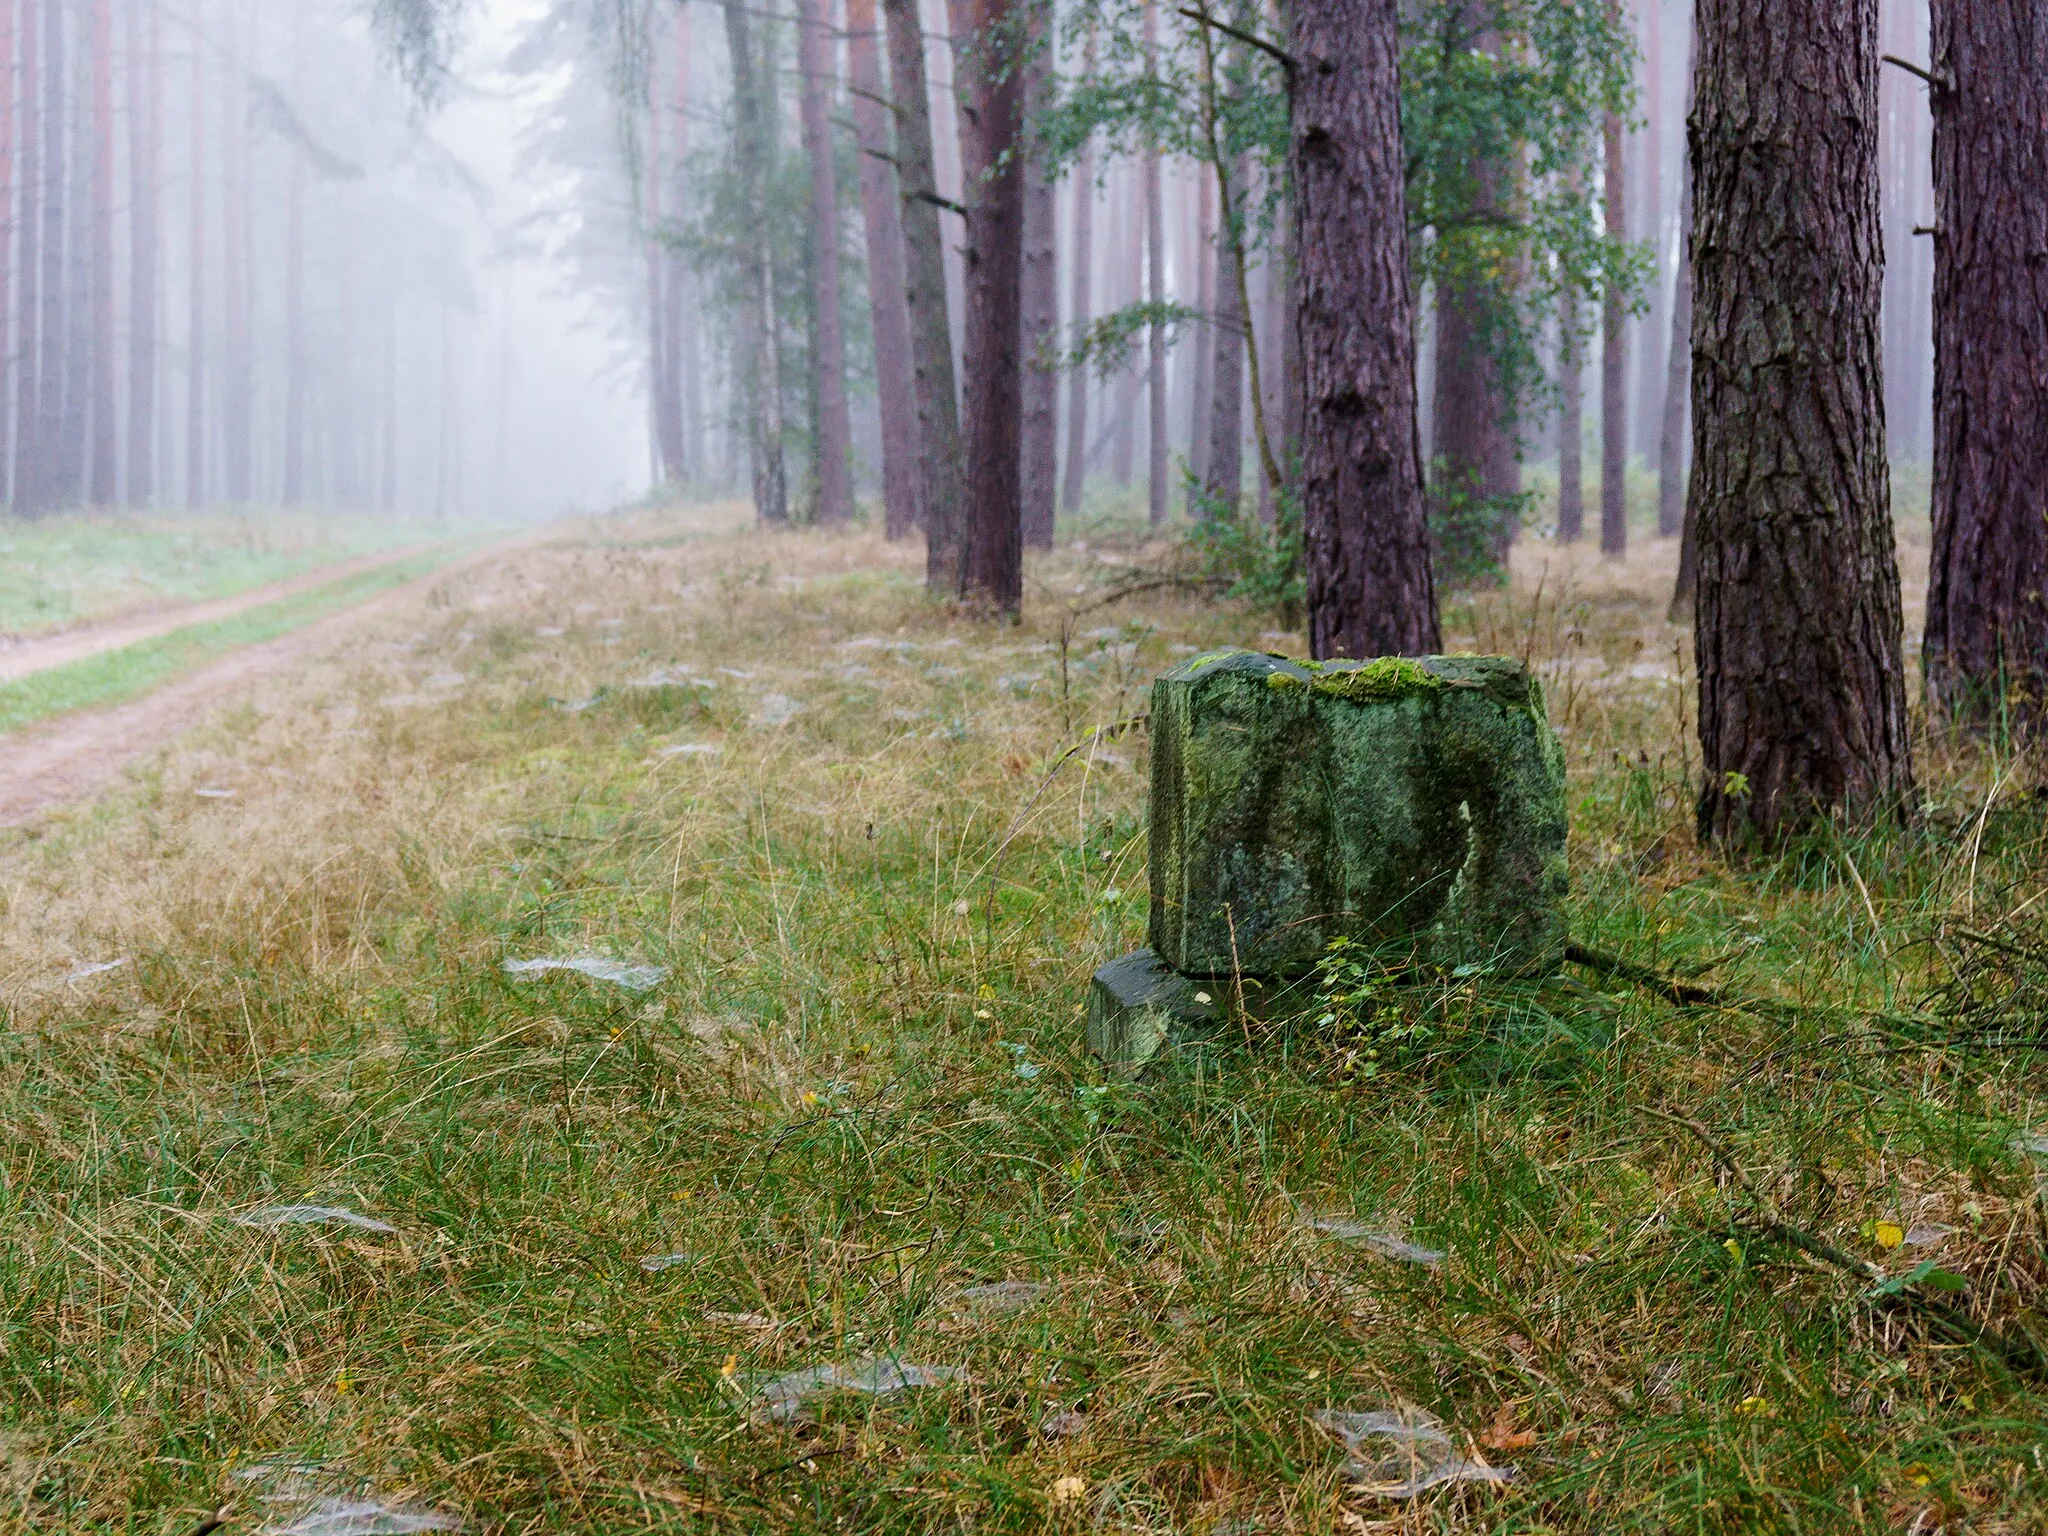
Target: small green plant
<point x="1253" y="561"/>
<point x="1356" y="1004"/>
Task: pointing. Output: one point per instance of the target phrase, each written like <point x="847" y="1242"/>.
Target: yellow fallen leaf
<point x="1889" y="1234"/>
<point x="730" y="1369"/>
<point x="1918" y="1475"/>
<point x="1753" y="1407"/>
<point x="1067" y="1489"/>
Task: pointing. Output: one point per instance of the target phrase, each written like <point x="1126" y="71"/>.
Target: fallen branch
<point x="2020" y="1352"/>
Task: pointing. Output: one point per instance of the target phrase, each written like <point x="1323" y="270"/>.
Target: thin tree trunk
<point x="236" y="396"/>
<point x="1039" y="451"/>
<point x="195" y="374"/>
<point x="759" y="344"/>
<point x="76" y="432"/>
<point x="102" y="486"/>
<point x="1678" y="379"/>
<point x="994" y="571"/>
<point x="680" y="321"/>
<point x="1082" y="298"/>
<point x="1571" y="423"/>
<point x="28" y="458"/>
<point x="882" y="215"/>
<point x="1476" y="470"/>
<point x="1157" y="463"/>
<point x="832" y="457"/>
<point x="1797" y="627"/>
<point x="7" y="224"/>
<point x="942" y="485"/>
<point x="145" y="129"/>
<point x="52" y="452"/>
<point x="1986" y="648"/>
<point x="1614" y="357"/>
<point x="295" y="360"/>
<point x="1370" y="588"/>
<point x="1207" y="252"/>
<point x="1223" y="483"/>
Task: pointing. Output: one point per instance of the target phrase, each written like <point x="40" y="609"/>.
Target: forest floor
<point x="308" y="1199"/>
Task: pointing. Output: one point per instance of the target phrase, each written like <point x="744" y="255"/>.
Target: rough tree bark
<point x="1082" y="298"/>
<point x="1797" y="621"/>
<point x="942" y="485"/>
<point x="1155" y="291"/>
<point x="882" y="218"/>
<point x="994" y="179"/>
<point x="1986" y="648"/>
<point x="1614" y="348"/>
<point x="1370" y="588"/>
<point x="758" y="345"/>
<point x="145" y="128"/>
<point x="1040" y="297"/>
<point x="832" y="460"/>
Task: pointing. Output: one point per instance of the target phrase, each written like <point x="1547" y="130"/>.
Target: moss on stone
<point x="1409" y="803"/>
<point x="1385" y="681"/>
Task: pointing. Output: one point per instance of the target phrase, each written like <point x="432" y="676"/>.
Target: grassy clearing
<point x="861" y="1090"/>
<point x="113" y="677"/>
<point x="80" y="567"/>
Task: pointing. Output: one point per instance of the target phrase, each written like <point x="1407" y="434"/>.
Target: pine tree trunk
<point x="942" y="487"/>
<point x="1614" y="355"/>
<point x="145" y="129"/>
<point x="7" y="226"/>
<point x="1157" y="463"/>
<point x="1039" y="451"/>
<point x="195" y="366"/>
<point x="1476" y="470"/>
<point x="1223" y="480"/>
<point x="76" y="432"/>
<point x="664" y="395"/>
<point x="237" y="382"/>
<point x="28" y="467"/>
<point x="882" y="215"/>
<point x="54" y="454"/>
<point x="1204" y="332"/>
<point x="832" y="455"/>
<point x="1797" y="627"/>
<point x="679" y="318"/>
<point x="1571" y="423"/>
<point x="1986" y="650"/>
<point x="1083" y="299"/>
<point x="758" y="344"/>
<point x="295" y="360"/>
<point x="994" y="577"/>
<point x="1678" y="375"/>
<point x="1370" y="589"/>
<point x="102" y="488"/>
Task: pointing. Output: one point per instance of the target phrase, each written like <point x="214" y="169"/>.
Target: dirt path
<point x="19" y="658"/>
<point x="78" y="755"/>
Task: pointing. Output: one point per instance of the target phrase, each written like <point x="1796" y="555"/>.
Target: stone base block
<point x="1140" y="1012"/>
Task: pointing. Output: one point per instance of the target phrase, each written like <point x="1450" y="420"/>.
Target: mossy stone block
<point x="1414" y="806"/>
<point x="1141" y="1012"/>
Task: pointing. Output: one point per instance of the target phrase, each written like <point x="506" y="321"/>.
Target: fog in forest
<point x="247" y="266"/>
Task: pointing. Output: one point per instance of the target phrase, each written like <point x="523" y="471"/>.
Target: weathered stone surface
<point x="1413" y="806"/>
<point x="1139" y="1012"/>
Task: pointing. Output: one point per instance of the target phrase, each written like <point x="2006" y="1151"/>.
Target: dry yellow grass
<point x="862" y="1088"/>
